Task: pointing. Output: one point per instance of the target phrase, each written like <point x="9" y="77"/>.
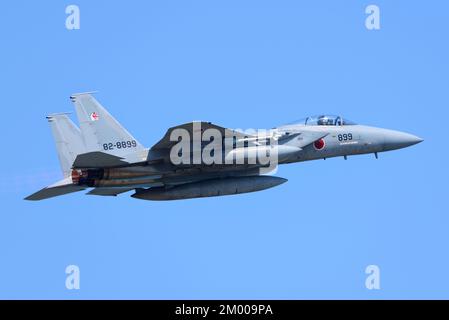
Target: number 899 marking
<point x="345" y="137"/>
<point x="120" y="145"/>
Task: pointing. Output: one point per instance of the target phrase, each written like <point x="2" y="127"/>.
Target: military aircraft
<point x="104" y="157"/>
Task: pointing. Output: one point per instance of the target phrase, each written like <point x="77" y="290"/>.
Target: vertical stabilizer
<point x="100" y="130"/>
<point x="68" y="139"/>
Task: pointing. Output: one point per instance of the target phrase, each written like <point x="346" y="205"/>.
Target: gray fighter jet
<point x="196" y="159"/>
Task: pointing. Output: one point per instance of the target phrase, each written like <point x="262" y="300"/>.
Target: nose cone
<point x="397" y="140"/>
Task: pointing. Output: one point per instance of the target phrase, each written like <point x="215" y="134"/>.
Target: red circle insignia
<point x="319" y="144"/>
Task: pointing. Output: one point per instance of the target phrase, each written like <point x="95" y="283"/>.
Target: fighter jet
<point x="196" y="159"/>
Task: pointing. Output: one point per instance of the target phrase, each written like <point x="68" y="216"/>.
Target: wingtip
<point x="51" y="116"/>
<point x="74" y="95"/>
<point x="30" y="198"/>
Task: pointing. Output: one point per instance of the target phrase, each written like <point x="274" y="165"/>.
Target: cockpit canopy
<point x="324" y="120"/>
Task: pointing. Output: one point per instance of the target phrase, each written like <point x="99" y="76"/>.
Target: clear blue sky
<point x="240" y="64"/>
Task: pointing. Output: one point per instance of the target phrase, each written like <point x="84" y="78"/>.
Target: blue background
<point x="240" y="64"/>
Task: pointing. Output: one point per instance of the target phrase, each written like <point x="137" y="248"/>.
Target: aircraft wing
<point x="195" y="129"/>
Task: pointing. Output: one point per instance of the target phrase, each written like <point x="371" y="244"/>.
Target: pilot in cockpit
<point x="323" y="121"/>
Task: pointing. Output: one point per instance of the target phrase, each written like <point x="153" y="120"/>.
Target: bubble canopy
<point x="323" y="120"/>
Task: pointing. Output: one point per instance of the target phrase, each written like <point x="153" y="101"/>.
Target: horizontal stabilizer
<point x="98" y="159"/>
<point x="60" y="188"/>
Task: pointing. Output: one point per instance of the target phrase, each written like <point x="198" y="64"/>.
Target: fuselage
<point x="338" y="139"/>
<point x="346" y="140"/>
